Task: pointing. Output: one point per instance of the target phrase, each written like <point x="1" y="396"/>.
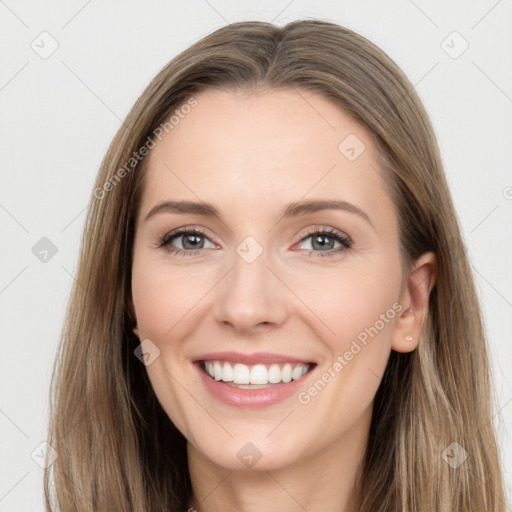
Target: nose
<point x="251" y="297"/>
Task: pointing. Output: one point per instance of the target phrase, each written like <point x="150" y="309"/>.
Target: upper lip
<point x="250" y="359"/>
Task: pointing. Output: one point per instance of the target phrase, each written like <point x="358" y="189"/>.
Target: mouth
<point x="258" y="376"/>
<point x="252" y="381"/>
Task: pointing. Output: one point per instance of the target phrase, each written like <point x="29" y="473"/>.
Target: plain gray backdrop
<point x="70" y="72"/>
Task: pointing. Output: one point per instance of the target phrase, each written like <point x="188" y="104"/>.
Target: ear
<point x="414" y="299"/>
<point x="133" y="316"/>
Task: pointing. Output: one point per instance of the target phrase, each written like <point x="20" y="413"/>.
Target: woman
<point x="273" y="307"/>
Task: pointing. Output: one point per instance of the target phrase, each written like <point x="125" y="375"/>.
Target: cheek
<point x="362" y="318"/>
<point x="164" y="298"/>
<point x="354" y="303"/>
<point x="166" y="301"/>
<point x="358" y="308"/>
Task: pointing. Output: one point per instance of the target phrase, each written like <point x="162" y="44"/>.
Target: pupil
<point x="193" y="240"/>
<point x="320" y="240"/>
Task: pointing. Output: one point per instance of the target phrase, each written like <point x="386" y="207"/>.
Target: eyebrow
<point x="292" y="210"/>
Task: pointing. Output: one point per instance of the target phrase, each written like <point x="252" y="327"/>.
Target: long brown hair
<point x="117" y="448"/>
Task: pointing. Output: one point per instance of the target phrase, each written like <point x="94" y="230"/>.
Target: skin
<point x="250" y="155"/>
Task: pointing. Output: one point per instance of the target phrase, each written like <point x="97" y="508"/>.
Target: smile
<point x="255" y="376"/>
<point x="252" y="381"/>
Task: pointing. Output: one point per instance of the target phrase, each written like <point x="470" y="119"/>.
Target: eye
<point x="326" y="242"/>
<point x="189" y="241"/>
<point x="319" y="243"/>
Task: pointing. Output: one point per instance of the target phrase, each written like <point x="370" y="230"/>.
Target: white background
<point x="58" y="115"/>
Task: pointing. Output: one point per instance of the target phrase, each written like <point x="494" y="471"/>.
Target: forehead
<point x="240" y="150"/>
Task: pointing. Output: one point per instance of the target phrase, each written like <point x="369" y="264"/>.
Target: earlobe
<point x="405" y="338"/>
<point x="415" y="300"/>
<point x="133" y="316"/>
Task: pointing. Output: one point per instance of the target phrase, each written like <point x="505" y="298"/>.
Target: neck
<point x="325" y="480"/>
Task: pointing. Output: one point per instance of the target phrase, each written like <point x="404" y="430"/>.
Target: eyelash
<point x="345" y="241"/>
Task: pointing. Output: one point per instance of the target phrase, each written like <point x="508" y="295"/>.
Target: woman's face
<point x="289" y="269"/>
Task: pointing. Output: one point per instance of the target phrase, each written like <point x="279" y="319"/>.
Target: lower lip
<point x="250" y="398"/>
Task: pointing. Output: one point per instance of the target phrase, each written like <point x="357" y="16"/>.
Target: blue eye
<point x="323" y="243"/>
<point x="193" y="241"/>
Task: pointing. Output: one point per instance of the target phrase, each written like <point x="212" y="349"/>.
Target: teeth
<point x="297" y="373"/>
<point x="286" y="374"/>
<point x="241" y="374"/>
<point x="217" y="370"/>
<point x="257" y="374"/>
<point x="227" y="373"/>
<point x="274" y="374"/>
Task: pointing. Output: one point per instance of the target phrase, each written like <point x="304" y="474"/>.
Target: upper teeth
<point x="257" y="374"/>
